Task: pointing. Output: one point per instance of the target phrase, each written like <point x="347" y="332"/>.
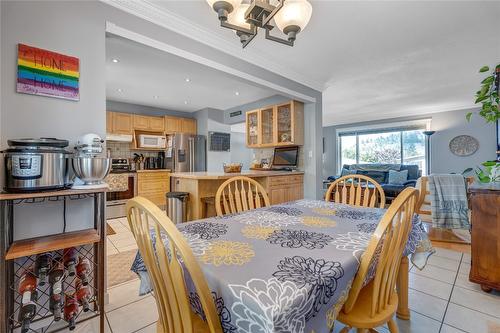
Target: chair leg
<point x="393" y="327"/>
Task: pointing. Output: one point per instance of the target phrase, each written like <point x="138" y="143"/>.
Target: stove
<point x="119" y="165"/>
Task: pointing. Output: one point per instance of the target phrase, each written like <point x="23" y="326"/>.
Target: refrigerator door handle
<point x="191" y="154"/>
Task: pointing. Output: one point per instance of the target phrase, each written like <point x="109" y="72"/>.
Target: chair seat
<point x="360" y="317"/>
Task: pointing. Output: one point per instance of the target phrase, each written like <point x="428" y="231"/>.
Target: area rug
<point x="119" y="268"/>
<point x="109" y="230"/>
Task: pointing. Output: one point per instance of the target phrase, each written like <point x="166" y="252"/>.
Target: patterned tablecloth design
<point x="285" y="268"/>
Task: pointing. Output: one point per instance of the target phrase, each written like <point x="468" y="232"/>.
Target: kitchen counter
<point x="222" y="175"/>
<point x="153" y="170"/>
<point x="281" y="186"/>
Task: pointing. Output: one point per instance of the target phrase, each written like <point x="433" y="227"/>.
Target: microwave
<point x="152" y="141"/>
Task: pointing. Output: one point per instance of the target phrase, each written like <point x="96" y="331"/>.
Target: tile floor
<point x="441" y="297"/>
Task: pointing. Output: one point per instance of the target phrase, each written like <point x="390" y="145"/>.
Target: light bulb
<point x="293" y="17"/>
<point x="237" y="17"/>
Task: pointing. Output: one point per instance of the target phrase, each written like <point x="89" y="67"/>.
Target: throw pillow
<point x="346" y="172"/>
<point x="398" y="177"/>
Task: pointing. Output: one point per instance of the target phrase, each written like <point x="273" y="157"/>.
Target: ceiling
<point x="146" y="76"/>
<point x="371" y="59"/>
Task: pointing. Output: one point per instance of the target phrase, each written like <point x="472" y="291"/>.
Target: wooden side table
<point x="485" y="235"/>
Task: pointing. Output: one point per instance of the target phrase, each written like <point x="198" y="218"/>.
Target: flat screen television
<point x="285" y="157"/>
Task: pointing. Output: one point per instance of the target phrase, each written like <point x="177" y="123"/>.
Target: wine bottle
<point x="70" y="257"/>
<point x="27" y="288"/>
<point x="42" y="267"/>
<point x="56" y="277"/>
<point x="70" y="310"/>
<point x="83" y="270"/>
<point x="55" y="305"/>
<point x="83" y="295"/>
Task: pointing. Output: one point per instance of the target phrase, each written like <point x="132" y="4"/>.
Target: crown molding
<point x="174" y="22"/>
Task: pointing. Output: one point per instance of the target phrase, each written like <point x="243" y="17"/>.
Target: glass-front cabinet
<point x="252" y="125"/>
<point x="267" y="126"/>
<point x="276" y="125"/>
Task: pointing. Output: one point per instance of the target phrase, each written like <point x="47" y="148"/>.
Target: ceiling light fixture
<point x="188" y="79"/>
<point x="115" y="60"/>
<point x="119" y="90"/>
<point x="156" y="96"/>
<point x="237" y="93"/>
<point x="186" y="102"/>
<point x="290" y="16"/>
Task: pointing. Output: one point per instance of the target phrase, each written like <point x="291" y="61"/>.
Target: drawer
<point x="285" y="180"/>
<point x="157" y="175"/>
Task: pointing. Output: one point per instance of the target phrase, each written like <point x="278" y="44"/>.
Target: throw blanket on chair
<point x="449" y="201"/>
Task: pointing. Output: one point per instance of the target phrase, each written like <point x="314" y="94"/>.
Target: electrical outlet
<point x="310" y="154"/>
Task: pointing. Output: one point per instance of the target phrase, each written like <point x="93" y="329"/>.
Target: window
<point x="395" y="145"/>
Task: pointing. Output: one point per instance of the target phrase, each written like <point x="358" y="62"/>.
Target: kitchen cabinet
<point x="252" y="128"/>
<point x="180" y="125"/>
<point x="109" y="122"/>
<point x="149" y="123"/>
<point x="153" y="185"/>
<point x="121" y="123"/>
<point x="276" y="125"/>
<point x="188" y="125"/>
<point x="285" y="188"/>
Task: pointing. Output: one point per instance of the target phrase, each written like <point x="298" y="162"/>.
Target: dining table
<point x="287" y="267"/>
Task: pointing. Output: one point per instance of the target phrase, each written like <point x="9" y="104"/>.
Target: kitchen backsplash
<point x="122" y="150"/>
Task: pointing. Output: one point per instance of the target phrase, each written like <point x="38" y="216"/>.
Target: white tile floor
<point x="441" y="297"/>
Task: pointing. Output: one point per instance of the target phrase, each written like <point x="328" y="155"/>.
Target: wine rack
<point x="18" y="259"/>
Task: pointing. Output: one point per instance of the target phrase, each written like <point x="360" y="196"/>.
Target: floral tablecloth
<point x="284" y="268"/>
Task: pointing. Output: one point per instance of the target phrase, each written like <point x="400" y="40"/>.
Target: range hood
<point x="118" y="137"/>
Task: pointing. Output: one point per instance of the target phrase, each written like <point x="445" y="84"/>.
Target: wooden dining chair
<point x="239" y="194"/>
<point x="167" y="274"/>
<point x="356" y="190"/>
<point x="376" y="303"/>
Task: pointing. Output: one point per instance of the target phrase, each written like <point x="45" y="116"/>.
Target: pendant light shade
<point x="294" y="16"/>
<point x="237" y="17"/>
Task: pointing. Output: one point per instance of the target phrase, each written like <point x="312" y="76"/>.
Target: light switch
<point x="310" y="154"/>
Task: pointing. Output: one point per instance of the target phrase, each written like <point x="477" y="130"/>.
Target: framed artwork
<point x="46" y="73"/>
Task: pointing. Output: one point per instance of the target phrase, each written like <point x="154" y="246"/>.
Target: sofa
<point x="380" y="173"/>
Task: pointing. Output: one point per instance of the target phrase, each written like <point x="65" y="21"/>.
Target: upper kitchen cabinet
<point x="276" y="125"/>
<point x="119" y="123"/>
<point x="188" y="125"/>
<point x="180" y="125"/>
<point x="149" y="123"/>
<point x="253" y="128"/>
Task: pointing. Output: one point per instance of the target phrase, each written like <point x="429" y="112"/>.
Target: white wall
<point x="447" y="125"/>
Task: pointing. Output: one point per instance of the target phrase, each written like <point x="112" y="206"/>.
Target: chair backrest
<point x="166" y="272"/>
<point x="356" y="190"/>
<point x="423" y="201"/>
<point x="386" y="247"/>
<point x="239" y="194"/>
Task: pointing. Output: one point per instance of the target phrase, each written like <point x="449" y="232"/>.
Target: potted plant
<point x="487" y="96"/>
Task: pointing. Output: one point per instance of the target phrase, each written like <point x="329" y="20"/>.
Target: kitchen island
<point x="281" y="186"/>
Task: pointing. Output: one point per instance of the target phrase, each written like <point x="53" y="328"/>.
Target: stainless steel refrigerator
<point x="186" y="152"/>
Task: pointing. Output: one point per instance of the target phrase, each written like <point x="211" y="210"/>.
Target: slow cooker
<point x="37" y="165"/>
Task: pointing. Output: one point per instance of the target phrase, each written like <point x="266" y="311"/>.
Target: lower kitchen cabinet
<point x="153" y="185"/>
<point x="285" y="188"/>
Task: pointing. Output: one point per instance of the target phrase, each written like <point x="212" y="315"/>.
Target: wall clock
<point x="464" y="145"/>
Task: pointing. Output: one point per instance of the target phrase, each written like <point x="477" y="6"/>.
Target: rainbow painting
<point x="47" y="73"/>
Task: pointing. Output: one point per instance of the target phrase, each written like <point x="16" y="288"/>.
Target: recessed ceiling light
<point x="185" y="102"/>
<point x="115" y="60"/>
<point x="188" y="79"/>
<point x="119" y="90"/>
<point x="237" y="93"/>
<point x="156" y="96"/>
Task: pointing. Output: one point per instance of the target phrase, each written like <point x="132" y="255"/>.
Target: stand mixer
<point x="89" y="164"/>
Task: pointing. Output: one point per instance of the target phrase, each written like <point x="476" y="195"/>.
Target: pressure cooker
<point x="37" y="165"/>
